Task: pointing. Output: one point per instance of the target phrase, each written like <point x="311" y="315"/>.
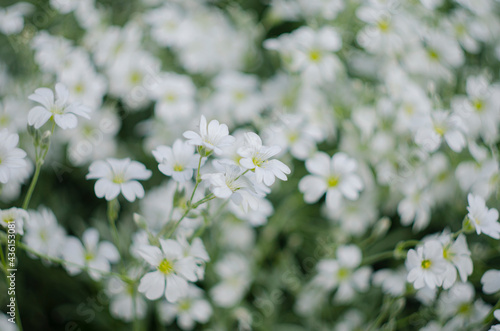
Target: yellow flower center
<point x="118" y="179"/>
<point x="383" y="25"/>
<point x="79" y="88"/>
<point x="440" y="130"/>
<point x="184" y="305"/>
<point x="135" y="77"/>
<point x="464" y="309"/>
<point x="343" y="273"/>
<point x="165" y="267"/>
<point x="178" y="167"/>
<point x="426" y="264"/>
<point x="333" y="181"/>
<point x="89" y="256"/>
<point x="171" y="97"/>
<point x="239" y="95"/>
<point x="433" y="55"/>
<point x="478" y="105"/>
<point x="315" y="55"/>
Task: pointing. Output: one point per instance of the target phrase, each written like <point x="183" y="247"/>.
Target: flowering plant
<point x="250" y="165"/>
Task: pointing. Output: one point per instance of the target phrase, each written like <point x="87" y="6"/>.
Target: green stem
<point x="112" y="217"/>
<point x="489" y="318"/>
<point x="32" y="186"/>
<point x="38" y="166"/>
<point x="198" y="180"/>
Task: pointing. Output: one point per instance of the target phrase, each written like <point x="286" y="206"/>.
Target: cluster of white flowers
<point x="343" y="159"/>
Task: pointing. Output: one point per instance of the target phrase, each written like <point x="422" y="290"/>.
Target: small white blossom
<point x="43" y="234"/>
<point x="60" y="110"/>
<point x="491" y="281"/>
<point x="115" y="176"/>
<point x="212" y="136"/>
<point x="190" y="309"/>
<point x="95" y="255"/>
<point x="255" y="156"/>
<point x="344" y="273"/>
<point x="426" y="265"/>
<point x="484" y="220"/>
<point x="11" y="157"/>
<point x="14" y="217"/>
<point x="173" y="271"/>
<point x="334" y="176"/>
<point x="178" y="161"/>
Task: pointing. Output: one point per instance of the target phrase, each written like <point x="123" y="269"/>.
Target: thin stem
<point x="2" y="256"/>
<point x="198" y="180"/>
<point x="490" y="317"/>
<point x="112" y="217"/>
<point x="38" y="166"/>
<point x="32" y="186"/>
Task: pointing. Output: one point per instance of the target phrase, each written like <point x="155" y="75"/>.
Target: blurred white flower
<point x="189" y="310"/>
<point x="439" y="125"/>
<point x="334" y="176"/>
<point x="16" y="217"/>
<point x="484" y="220"/>
<point x="234" y="269"/>
<point x="43" y="234"/>
<point x="115" y="176"/>
<point x="11" y="158"/>
<point x="12" y="17"/>
<point x="95" y="255"/>
<point x="125" y="303"/>
<point x="178" y="161"/>
<point x="344" y="273"/>
<point x="212" y="136"/>
<point x="426" y="265"/>
<point x="60" y="110"/>
<point x="491" y="281"/>
<point x="173" y="271"/>
<point x="255" y="156"/>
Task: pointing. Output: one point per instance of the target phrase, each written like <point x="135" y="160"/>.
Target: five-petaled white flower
<point x="426" y="265"/>
<point x="255" y="156"/>
<point x="173" y="271"/>
<point x="60" y="110"/>
<point x="334" y="175"/>
<point x="93" y="254"/>
<point x="212" y="136"/>
<point x="177" y="161"/>
<point x="483" y="219"/>
<point x="11" y="157"/>
<point x="115" y="176"/>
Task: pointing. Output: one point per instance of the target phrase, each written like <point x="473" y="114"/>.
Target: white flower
<point x="190" y="309"/>
<point x="11" y="157"/>
<point x="426" y="265"/>
<point x="11" y="18"/>
<point x="43" y="234"/>
<point x="457" y="257"/>
<point x="174" y="95"/>
<point x="60" y="110"/>
<point x="234" y="269"/>
<point x="115" y="176"/>
<point x="173" y="271"/>
<point x="392" y="282"/>
<point x="14" y="217"/>
<point x="439" y="125"/>
<point x="344" y="273"/>
<point x="334" y="175"/>
<point x="256" y="157"/>
<point x="231" y="183"/>
<point x="177" y="161"/>
<point x="122" y="295"/>
<point x="459" y="305"/>
<point x="212" y="137"/>
<point x="92" y="254"/>
<point x="491" y="281"/>
<point x="484" y="220"/>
